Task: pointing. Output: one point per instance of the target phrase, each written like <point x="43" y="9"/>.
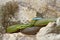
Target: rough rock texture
<point x="46" y="8"/>
<point x="50" y="32"/>
<point x="25" y="14"/>
<point x="2" y="30"/>
<point x="18" y="36"/>
<point x="58" y="21"/>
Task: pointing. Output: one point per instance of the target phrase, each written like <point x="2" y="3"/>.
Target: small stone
<point x="31" y="30"/>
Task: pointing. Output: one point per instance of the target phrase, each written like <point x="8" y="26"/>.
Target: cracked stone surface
<point x="18" y="36"/>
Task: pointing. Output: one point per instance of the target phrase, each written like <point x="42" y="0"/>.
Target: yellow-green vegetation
<point x="14" y="28"/>
<point x="43" y="22"/>
<point x="37" y="23"/>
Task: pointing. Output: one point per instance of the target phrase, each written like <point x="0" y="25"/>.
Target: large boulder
<point x="18" y="36"/>
<point x="50" y="32"/>
<point x="28" y="9"/>
<point x="44" y="7"/>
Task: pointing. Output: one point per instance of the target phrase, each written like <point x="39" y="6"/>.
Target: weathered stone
<point x="50" y="32"/>
<point x="18" y="36"/>
<point x="45" y="7"/>
<point x="30" y="30"/>
<point x="25" y="14"/>
<point x="42" y="6"/>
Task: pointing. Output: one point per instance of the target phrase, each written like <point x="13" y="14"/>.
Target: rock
<point x="58" y="21"/>
<point x="43" y="7"/>
<point x="28" y="7"/>
<point x="36" y="4"/>
<point x="2" y="30"/>
<point x="25" y="14"/>
<point x="18" y="36"/>
<point x="30" y="30"/>
<point x="1" y="35"/>
<point x="52" y="8"/>
<point x="48" y="33"/>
